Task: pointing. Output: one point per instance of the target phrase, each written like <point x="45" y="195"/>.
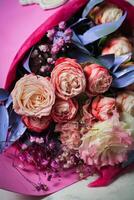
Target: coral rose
<point x="125" y="102"/>
<point x="64" y="110"/>
<point x="106" y="13"/>
<point x="103" y="107"/>
<point x="33" y="96"/>
<point x="107" y="143"/>
<point x="37" y="124"/>
<point x="98" y="79"/>
<point x="68" y="78"/>
<point x="118" y="46"/>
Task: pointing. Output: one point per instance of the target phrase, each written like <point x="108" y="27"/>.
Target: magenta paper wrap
<point x="29" y="25"/>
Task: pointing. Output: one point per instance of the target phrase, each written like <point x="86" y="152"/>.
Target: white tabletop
<point x="122" y="188"/>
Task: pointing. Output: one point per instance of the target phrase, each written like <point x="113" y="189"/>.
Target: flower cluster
<point x="91" y="121"/>
<point x="45" y="53"/>
<point x="87" y="128"/>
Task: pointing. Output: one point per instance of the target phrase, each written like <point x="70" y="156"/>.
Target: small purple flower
<point x="51" y="33"/>
<point x="62" y="25"/>
<point x="44" y="48"/>
<point x="44" y="68"/>
<point x="44" y="162"/>
<point x="55" y="49"/>
<point x="68" y="32"/>
<point x="39" y="140"/>
<point x="32" y="139"/>
<point x="50" y="60"/>
<point x="24" y="146"/>
<point x="60" y="42"/>
<point x="68" y="39"/>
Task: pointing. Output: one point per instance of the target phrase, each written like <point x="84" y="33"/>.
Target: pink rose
<point x="68" y="78"/>
<point x="64" y="110"/>
<point x="36" y="124"/>
<point x="106" y="13"/>
<point x="33" y="96"/>
<point x="103" y="107"/>
<point x="69" y="134"/>
<point x="98" y="79"/>
<point x="118" y="46"/>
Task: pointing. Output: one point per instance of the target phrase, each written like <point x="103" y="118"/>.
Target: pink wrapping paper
<point x="22" y="27"/>
<point x="10" y="178"/>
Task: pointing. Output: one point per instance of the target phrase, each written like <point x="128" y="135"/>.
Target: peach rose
<point x="36" y="124"/>
<point x="106" y="13"/>
<point x="64" y="110"/>
<point x="118" y="46"/>
<point x="125" y="102"/>
<point x="68" y="78"/>
<point x="103" y="107"/>
<point x="98" y="79"/>
<point x="33" y="96"/>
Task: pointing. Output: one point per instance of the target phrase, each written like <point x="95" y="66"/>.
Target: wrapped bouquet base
<point x="67" y="104"/>
<point x="28" y="183"/>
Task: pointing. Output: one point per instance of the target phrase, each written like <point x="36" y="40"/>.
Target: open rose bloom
<point x="66" y="110"/>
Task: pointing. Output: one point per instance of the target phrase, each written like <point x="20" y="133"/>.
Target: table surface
<point x="122" y="188"/>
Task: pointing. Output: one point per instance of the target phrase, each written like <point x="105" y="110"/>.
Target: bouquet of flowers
<point x="68" y="108"/>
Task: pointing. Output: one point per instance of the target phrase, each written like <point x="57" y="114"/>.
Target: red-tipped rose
<point x="103" y="107"/>
<point x="64" y="110"/>
<point x="105" y="13"/>
<point x="68" y="78"/>
<point x="36" y="124"/>
<point x="98" y="79"/>
<point x="118" y="46"/>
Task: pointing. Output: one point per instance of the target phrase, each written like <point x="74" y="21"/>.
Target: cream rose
<point x="106" y="143"/>
<point x="106" y="13"/>
<point x="33" y="96"/>
<point x="118" y="46"/>
<point x="125" y="102"/>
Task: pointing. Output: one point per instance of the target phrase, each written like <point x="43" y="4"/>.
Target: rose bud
<point x="106" y="13"/>
<point x="36" y="124"/>
<point x="68" y="78"/>
<point x="118" y="46"/>
<point x="125" y="102"/>
<point x="64" y="110"/>
<point x="33" y="96"/>
<point x="98" y="79"/>
<point x="103" y="108"/>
